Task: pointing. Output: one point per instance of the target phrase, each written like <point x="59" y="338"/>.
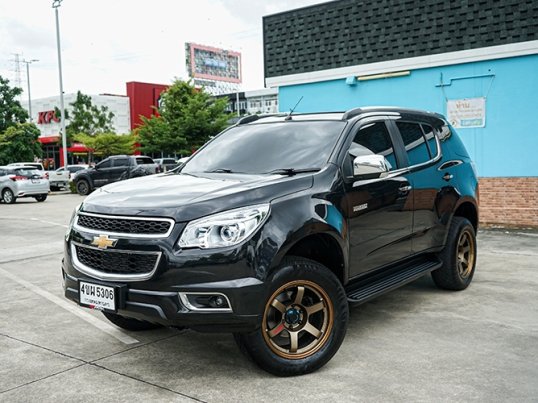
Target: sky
<point x="106" y="43"/>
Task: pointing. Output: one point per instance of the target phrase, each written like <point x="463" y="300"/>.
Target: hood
<point x="185" y="197"/>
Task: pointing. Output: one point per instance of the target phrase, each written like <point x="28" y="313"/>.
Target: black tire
<point x="130" y="323"/>
<point x="54" y="188"/>
<point x="83" y="187"/>
<point x="287" y="316"/>
<point x="8" y="196"/>
<point x="458" y="257"/>
<point x="41" y="198"/>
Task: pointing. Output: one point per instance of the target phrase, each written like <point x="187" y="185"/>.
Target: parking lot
<point x="415" y="344"/>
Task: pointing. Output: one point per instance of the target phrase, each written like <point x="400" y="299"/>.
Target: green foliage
<point x="87" y="118"/>
<point x="72" y="187"/>
<point x="19" y="143"/>
<point x="107" y="144"/>
<point x="11" y="111"/>
<point x="188" y="118"/>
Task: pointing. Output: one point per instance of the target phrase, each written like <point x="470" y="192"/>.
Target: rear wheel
<point x="458" y="257"/>
<point x="8" y="196"/>
<point x="130" y="323"/>
<point x="41" y="198"/>
<point x="304" y="320"/>
<point x="83" y="187"/>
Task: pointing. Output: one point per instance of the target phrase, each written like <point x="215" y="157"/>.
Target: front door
<point x="379" y="210"/>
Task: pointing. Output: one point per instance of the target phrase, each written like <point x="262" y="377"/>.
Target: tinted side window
<point x="75" y="169"/>
<point x="430" y="138"/>
<point x="372" y="138"/>
<point x="2" y="172"/>
<point x="121" y="162"/>
<point x="414" y="142"/>
<point x="143" y="160"/>
<point x="104" y="164"/>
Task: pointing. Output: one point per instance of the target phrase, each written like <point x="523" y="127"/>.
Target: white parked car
<point x="61" y="177"/>
<point x="22" y="181"/>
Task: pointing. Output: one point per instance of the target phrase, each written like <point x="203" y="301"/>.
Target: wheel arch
<point x="468" y="209"/>
<point x="321" y="247"/>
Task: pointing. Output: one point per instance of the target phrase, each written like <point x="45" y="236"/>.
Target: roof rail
<point x="247" y="119"/>
<point x="352" y="113"/>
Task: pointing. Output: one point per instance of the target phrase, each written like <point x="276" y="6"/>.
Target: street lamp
<point x="55" y="5"/>
<point x="28" y="62"/>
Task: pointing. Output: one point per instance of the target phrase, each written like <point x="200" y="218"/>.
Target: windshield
<point x="263" y="148"/>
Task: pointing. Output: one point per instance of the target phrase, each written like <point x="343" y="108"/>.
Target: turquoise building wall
<point x="508" y="144"/>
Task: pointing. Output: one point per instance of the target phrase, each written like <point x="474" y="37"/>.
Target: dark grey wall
<point x="352" y="32"/>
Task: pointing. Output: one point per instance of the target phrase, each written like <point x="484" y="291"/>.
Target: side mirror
<point x="372" y="166"/>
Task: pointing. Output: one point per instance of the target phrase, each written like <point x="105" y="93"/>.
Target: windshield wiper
<point x="220" y="170"/>
<point x="292" y="171"/>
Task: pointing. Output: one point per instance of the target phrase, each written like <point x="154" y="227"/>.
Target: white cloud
<point x="107" y="43"/>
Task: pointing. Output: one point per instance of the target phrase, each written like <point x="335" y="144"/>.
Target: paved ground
<point x="415" y="344"/>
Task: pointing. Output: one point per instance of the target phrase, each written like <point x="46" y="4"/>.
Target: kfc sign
<point x="47" y="117"/>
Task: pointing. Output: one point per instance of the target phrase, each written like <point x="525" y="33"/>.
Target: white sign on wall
<point x="466" y="113"/>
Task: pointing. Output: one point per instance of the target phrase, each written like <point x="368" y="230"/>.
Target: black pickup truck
<point x="276" y="226"/>
<point x="113" y="169"/>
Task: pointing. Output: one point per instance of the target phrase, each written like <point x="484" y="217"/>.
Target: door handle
<point x="447" y="176"/>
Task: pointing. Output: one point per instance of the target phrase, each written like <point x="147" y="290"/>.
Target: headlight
<point x="72" y="221"/>
<point x="224" y="229"/>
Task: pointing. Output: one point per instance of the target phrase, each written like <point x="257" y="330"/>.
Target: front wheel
<point x="130" y="323"/>
<point x="458" y="257"/>
<point x="41" y="198"/>
<point x="304" y="320"/>
<point x="83" y="187"/>
<point x="8" y="196"/>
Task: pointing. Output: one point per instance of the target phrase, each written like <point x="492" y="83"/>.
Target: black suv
<point x="113" y="169"/>
<point x="276" y="226"/>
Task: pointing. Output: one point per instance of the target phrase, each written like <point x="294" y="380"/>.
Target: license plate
<point x="97" y="296"/>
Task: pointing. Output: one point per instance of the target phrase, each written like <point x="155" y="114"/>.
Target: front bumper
<point x="166" y="307"/>
<point x="162" y="298"/>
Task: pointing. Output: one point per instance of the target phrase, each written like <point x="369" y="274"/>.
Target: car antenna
<point x="293" y="109"/>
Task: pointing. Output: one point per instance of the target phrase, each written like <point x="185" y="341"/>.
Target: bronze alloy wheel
<point x="298" y="319"/>
<point x="465" y="254"/>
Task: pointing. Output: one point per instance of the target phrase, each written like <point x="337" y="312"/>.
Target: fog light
<point x="205" y="301"/>
<point x="217" y="302"/>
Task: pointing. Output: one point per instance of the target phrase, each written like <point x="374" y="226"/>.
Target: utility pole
<point x="55" y="5"/>
<point x="28" y="62"/>
<point x="17" y="70"/>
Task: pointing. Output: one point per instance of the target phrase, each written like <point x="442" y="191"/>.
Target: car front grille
<point x="134" y="226"/>
<point x="116" y="262"/>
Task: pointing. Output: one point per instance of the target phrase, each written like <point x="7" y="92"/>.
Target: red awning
<point x="48" y="139"/>
<point x="78" y="148"/>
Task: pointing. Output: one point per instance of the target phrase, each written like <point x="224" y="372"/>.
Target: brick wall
<point x="511" y="202"/>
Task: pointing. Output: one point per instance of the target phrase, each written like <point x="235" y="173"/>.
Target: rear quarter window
<point x="415" y="142"/>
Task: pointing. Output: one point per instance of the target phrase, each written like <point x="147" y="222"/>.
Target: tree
<point x="19" y="143"/>
<point x="84" y="117"/>
<point x="11" y="111"/>
<point x="188" y="118"/>
<point x="107" y="144"/>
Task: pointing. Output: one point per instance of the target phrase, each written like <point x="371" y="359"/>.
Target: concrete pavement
<point x="415" y="344"/>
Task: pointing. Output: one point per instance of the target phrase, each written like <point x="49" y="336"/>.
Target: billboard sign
<point x="214" y="64"/>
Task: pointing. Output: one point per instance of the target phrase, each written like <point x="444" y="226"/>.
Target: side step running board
<point x="374" y="286"/>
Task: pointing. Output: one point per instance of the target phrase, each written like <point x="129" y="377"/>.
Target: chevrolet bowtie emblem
<point x="103" y="241"/>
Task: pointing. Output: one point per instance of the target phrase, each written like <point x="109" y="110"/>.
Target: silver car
<point x="22" y="181"/>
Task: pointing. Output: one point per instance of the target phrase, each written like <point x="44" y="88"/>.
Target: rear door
<point x="432" y="198"/>
<point x="379" y="210"/>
